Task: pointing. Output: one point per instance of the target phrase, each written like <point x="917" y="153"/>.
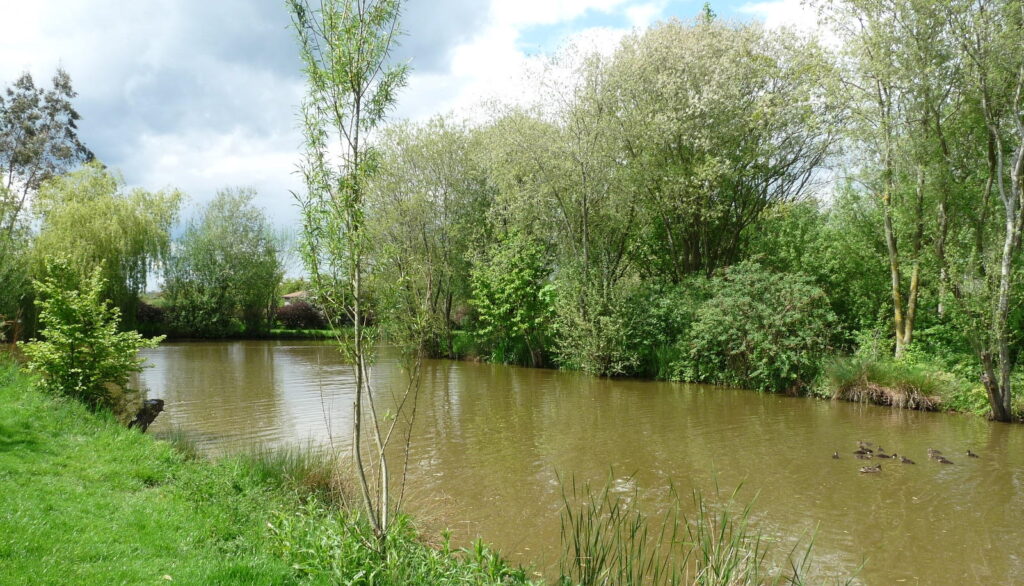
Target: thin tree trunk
<point x="894" y="273"/>
<point x="915" y="273"/>
<point x="940" y="253"/>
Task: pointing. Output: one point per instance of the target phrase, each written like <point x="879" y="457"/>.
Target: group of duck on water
<point x="867" y="450"/>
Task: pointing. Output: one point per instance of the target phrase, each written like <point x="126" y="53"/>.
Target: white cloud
<point x="799" y="15"/>
<point x="491" y="66"/>
<point x="784" y="13"/>
<point x="202" y="95"/>
<point x="644" y="15"/>
<point x="535" y="12"/>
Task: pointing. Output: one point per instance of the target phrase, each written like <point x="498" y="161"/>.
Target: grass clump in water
<point x="606" y="540"/>
<point x="308" y="471"/>
<point x="904" y="384"/>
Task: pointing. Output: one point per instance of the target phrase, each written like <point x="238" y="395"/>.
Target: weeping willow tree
<point x="345" y="47"/>
<point x="89" y="218"/>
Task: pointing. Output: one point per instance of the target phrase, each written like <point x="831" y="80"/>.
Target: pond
<point x="491" y="444"/>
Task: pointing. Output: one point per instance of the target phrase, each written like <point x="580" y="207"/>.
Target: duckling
<point x="932" y="453"/>
<point x="865" y="446"/>
<point x="905" y="460"/>
<point x="971" y="454"/>
<point x="879" y="454"/>
<point x="870" y="469"/>
<point x="862" y="451"/>
<point x="835" y="455"/>
<point x="942" y="460"/>
<point x="862" y="456"/>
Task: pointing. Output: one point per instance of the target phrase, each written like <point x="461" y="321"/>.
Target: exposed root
<point x="902" y="396"/>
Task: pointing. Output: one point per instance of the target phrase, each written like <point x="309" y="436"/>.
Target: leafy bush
<point x="632" y="332"/>
<point x="593" y="335"/>
<point x="662" y="315"/>
<point x="761" y="329"/>
<point x="513" y="300"/>
<point x="299" y="315"/>
<point x="82" y="351"/>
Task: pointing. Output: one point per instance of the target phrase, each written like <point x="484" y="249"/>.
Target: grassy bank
<point x="87" y="501"/>
<point x="910" y="383"/>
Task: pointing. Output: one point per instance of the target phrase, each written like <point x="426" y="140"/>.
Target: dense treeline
<point x="718" y="202"/>
<point x="711" y="202"/>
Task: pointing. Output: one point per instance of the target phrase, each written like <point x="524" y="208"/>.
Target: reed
<point x="308" y="470"/>
<point x="181" y="441"/>
<point x="607" y="540"/>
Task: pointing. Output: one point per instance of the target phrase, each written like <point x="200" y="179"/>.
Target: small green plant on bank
<point x="334" y="546"/>
<point x="81" y="352"/>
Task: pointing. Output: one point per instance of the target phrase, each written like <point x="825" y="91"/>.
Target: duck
<point x="870" y="469"/>
<point x="862" y="452"/>
<point x="942" y="460"/>
<point x="835" y="455"/>
<point x="971" y="454"/>
<point x="860" y="456"/>
<point x="905" y="460"/>
<point x="932" y="453"/>
<point x="879" y="454"/>
<point x="866" y="446"/>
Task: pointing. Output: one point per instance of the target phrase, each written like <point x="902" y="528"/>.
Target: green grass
<point x="289" y="334"/>
<point x="909" y="384"/>
<point x="88" y="501"/>
<point x="306" y="471"/>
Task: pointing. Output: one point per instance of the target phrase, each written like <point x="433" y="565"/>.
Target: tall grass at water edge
<point x="904" y="384"/>
<point x="606" y="540"/>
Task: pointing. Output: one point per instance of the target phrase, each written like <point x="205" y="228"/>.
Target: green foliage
<point x="760" y="329"/>
<point x="632" y="333"/>
<point x="15" y="282"/>
<point x="426" y="203"/>
<point x="719" y="122"/>
<point x="90" y="219"/>
<point x="38" y="141"/>
<point x="332" y="547"/>
<point x="223" y="274"/>
<point x="82" y="352"/>
<point x="840" y="247"/>
<point x="593" y="335"/>
<point x="513" y="301"/>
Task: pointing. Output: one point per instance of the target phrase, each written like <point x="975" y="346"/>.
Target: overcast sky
<point x="203" y="94"/>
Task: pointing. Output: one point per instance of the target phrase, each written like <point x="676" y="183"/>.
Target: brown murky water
<point x="492" y="441"/>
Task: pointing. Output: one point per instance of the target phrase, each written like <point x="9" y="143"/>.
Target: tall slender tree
<point x="351" y="84"/>
<point x="992" y="33"/>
